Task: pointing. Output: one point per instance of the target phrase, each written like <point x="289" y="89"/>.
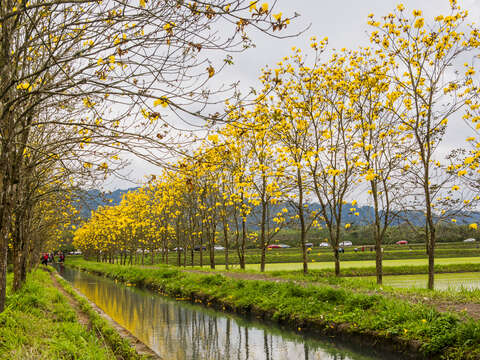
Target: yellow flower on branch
<point x="419" y="23"/>
<point x="161" y="101"/>
<point x="24" y="86"/>
<point x="278" y="16"/>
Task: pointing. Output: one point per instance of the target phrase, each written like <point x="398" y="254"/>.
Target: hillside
<point x="90" y="200"/>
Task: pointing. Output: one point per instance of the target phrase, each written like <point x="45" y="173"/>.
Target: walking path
<point x="84" y="320"/>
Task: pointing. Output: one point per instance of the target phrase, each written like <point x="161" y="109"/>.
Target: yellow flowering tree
<point x="424" y="54"/>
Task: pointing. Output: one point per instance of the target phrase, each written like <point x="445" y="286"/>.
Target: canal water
<point x="180" y="330"/>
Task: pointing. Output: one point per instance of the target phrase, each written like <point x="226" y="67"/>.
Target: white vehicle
<point x="218" y="248"/>
<point x="346" y="243"/>
<point x="284" y="245"/>
<point x="469" y="240"/>
<point x="324" y="244"/>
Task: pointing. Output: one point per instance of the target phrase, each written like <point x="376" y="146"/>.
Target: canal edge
<point x="140" y="347"/>
<point x="397" y="347"/>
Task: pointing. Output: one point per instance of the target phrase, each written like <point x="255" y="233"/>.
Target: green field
<point x="362" y="263"/>
<point x="325" y="255"/>
<point x="453" y="282"/>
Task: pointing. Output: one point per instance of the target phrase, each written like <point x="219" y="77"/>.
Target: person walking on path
<point x="45" y="259"/>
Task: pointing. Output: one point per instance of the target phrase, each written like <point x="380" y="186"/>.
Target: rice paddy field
<point x="452" y="281"/>
<point x="360" y="263"/>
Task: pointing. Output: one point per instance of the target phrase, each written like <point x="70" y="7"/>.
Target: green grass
<point x="38" y="323"/>
<point x="363" y="263"/>
<point x="294" y="255"/>
<point x="120" y="346"/>
<point x="329" y="309"/>
<point x="449" y="281"/>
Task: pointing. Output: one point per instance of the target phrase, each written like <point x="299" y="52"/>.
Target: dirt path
<point x="81" y="316"/>
<point x="83" y="319"/>
<point x="469" y="309"/>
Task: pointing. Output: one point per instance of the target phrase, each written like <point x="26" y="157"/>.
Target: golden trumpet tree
<point x="383" y="147"/>
<point x="425" y="57"/>
<point x="290" y="111"/>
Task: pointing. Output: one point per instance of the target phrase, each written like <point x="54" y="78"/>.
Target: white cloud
<point x="344" y="22"/>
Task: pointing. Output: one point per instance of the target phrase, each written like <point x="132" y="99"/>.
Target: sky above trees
<point x="343" y="22"/>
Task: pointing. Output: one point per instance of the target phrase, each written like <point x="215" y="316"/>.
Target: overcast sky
<point x="344" y="22"/>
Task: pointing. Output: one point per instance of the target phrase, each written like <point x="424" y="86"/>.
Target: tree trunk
<point x="337" y="261"/>
<point x="225" y="239"/>
<point x="378" y="261"/>
<point x="431" y="258"/>
<point x="19" y="255"/>
<point x="3" y="264"/>
<point x="430" y="234"/>
<point x="242" y="245"/>
<point x="302" y="222"/>
<point x="185" y="252"/>
<point x="263" y="242"/>
<point x="377" y="236"/>
<point x="211" y="249"/>
<point x="262" y="258"/>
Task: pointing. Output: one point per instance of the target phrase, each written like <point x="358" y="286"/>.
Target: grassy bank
<point x="39" y="323"/>
<point x="120" y="347"/>
<point x="406" y="327"/>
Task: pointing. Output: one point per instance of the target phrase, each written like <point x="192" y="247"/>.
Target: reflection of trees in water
<point x="188" y="332"/>
<point x="265" y="342"/>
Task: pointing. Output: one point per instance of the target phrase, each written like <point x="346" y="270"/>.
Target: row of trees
<point x="329" y="129"/>
<point x="81" y="82"/>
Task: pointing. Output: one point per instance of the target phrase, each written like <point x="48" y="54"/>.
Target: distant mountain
<point x="90" y="200"/>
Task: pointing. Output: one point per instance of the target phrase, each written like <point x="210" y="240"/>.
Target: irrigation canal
<point x="181" y="330"/>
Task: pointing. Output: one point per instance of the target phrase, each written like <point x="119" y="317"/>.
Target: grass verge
<point x="120" y="347"/>
<point x="411" y="328"/>
<point x="39" y="323"/>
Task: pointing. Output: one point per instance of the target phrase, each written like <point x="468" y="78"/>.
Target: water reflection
<point x="183" y="331"/>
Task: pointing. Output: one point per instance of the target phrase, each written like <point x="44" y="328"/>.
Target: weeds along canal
<point x="184" y="331"/>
